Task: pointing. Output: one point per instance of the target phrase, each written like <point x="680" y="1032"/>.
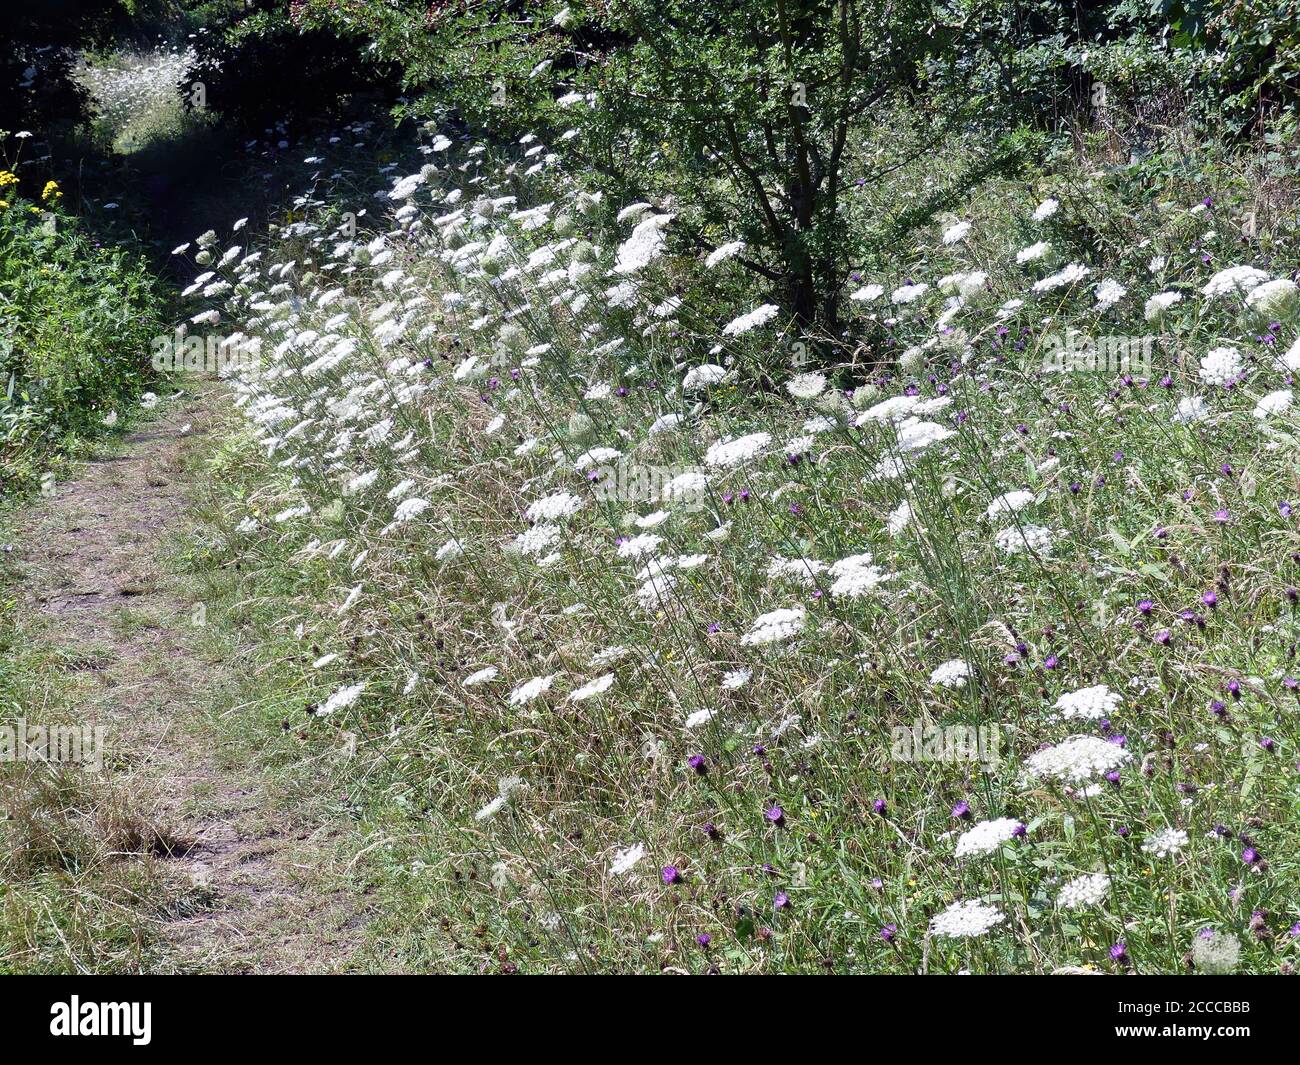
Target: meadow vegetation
<point x="782" y="487"/>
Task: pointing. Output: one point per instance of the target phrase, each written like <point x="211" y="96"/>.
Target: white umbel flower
<point x="755" y="318"/>
<point x="899" y="518"/>
<point x="1191" y="409"/>
<point x="1159" y="303"/>
<point x="775" y="626"/>
<point x="482" y="676"/>
<point x="626" y="858"/>
<point x="553" y="507"/>
<point x="855" y="577"/>
<point x="1016" y="540"/>
<point x="1273" y="403"/>
<point x="1215" y="953"/>
<point x="806" y="385"/>
<point x="592" y="688"/>
<point x="1088" y="704"/>
<point x="1033" y="253"/>
<point x="736" y="678"/>
<point x="1010" y="503"/>
<point x="341" y="699"/>
<point x="723" y="253"/>
<point x="951" y="674"/>
<point x="909" y="293"/>
<point x="1084" y="891"/>
<point x="729" y="453"/>
<point x="1166" y="843"/>
<point x="644" y="245"/>
<point x="1274" y="299"/>
<point x="410" y="508"/>
<point x="1234" y="279"/>
<point x="530" y="690"/>
<point x="1077" y="760"/>
<point x="705" y="376"/>
<point x="1109" y="292"/>
<point x="986" y="837"/>
<point x="1220" y="366"/>
<point x="1070" y="275"/>
<point x="963" y="919"/>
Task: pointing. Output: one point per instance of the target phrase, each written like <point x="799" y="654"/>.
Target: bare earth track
<point x="249" y="894"/>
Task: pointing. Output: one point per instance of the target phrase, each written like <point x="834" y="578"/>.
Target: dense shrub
<point x="75" y="323"/>
<point x="267" y="71"/>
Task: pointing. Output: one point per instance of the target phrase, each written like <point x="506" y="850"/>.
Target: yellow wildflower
<point x="50" y="192"/>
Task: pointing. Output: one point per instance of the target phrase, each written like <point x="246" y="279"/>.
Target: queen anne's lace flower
<point x="909" y="293"/>
<point x="1191" y="409"/>
<point x="553" y="507"/>
<point x="806" y="385"/>
<point x="341" y="699"/>
<point x="1274" y="299"/>
<point x="969" y="918"/>
<point x="736" y="678"/>
<point x="951" y="674"/>
<point x="727" y="453"/>
<point x="1220" y="366"/>
<point x="626" y="858"/>
<point x="755" y="318"/>
<point x="592" y="688"/>
<point x="1159" y="303"/>
<point x="703" y="377"/>
<point x="775" y="626"/>
<point x="1010" y="503"/>
<point x="1018" y="539"/>
<point x="530" y="690"/>
<point x="1234" y="279"/>
<point x="1109" y="293"/>
<point x="1273" y="403"/>
<point x="987" y="836"/>
<point x="1165" y="843"/>
<point x="855" y="576"/>
<point x="1084" y="891"/>
<point x="1215" y="953"/>
<point x="1077" y="760"/>
<point x="1089" y="704"/>
<point x="1033" y="253"/>
<point x="1045" y="210"/>
<point x="1070" y="275"/>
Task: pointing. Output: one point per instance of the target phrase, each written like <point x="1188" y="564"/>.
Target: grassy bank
<point x="971" y="653"/>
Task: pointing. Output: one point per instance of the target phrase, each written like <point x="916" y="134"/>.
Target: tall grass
<point x="624" y="658"/>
